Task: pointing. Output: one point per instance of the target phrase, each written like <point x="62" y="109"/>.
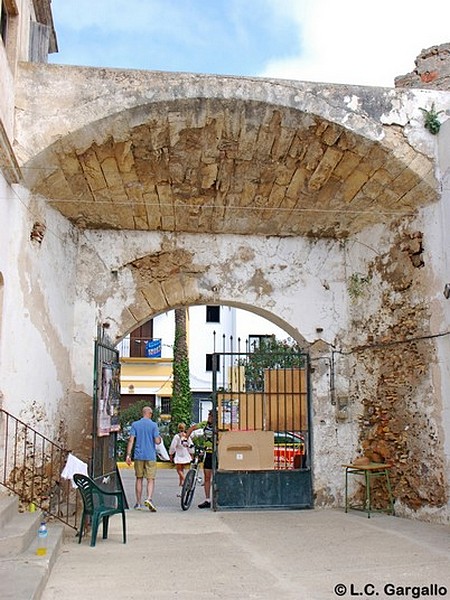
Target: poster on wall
<point x="229" y="414"/>
<point x="108" y="400"/>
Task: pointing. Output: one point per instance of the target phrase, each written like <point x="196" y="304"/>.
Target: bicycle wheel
<point x="188" y="489"/>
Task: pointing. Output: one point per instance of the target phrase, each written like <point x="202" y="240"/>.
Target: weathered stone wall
<point x="125" y="277"/>
<point x="374" y="382"/>
<point x="432" y="70"/>
<point x="39" y="279"/>
<point x="191" y="153"/>
<point x="369" y="305"/>
<point x="394" y="354"/>
<point x="374" y="389"/>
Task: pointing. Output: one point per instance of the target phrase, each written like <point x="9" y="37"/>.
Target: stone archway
<point x="272" y="400"/>
<point x="186" y="189"/>
<point x="187" y="153"/>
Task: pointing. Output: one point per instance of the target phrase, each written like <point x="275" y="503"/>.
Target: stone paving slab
<point x="309" y="554"/>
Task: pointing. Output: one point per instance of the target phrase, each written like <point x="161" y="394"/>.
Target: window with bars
<point x="166" y="403"/>
<point x="213" y="314"/>
<point x="256" y="341"/>
<point x="209" y="362"/>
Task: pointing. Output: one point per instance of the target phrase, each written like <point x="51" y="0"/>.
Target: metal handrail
<point x="31" y="466"/>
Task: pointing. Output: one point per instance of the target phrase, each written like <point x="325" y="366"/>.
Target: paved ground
<point x="301" y="555"/>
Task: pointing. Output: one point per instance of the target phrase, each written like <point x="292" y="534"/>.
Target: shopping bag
<point x="161" y="451"/>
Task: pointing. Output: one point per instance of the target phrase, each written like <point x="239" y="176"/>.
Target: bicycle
<point x="191" y="479"/>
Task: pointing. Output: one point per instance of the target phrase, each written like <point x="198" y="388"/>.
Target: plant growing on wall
<point x="431" y="118"/>
<point x="356" y="284"/>
<point x="181" y="409"/>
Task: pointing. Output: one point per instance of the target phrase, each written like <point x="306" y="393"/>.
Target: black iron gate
<point x="106" y="406"/>
<point x="262" y="442"/>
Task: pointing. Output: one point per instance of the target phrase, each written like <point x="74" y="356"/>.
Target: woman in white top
<point x="180" y="451"/>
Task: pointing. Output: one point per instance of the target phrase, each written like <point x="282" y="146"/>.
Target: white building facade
<point x="211" y="329"/>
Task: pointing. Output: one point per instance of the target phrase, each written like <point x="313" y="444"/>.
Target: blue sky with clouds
<point x="336" y="41"/>
<point x="237" y="37"/>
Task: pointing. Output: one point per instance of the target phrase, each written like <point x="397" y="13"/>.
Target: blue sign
<point x="153" y="349"/>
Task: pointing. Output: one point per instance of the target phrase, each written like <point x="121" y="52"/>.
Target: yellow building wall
<point x="146" y="376"/>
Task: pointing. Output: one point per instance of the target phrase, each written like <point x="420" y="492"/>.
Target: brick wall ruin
<point x="398" y="420"/>
<point x="432" y="70"/>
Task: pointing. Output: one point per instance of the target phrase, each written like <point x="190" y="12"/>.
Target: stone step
<point x="18" y="533"/>
<point x="9" y="506"/>
<point x="25" y="576"/>
<point x="17" y="530"/>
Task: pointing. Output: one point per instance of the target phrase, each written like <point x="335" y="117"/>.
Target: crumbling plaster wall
<point x="361" y="305"/>
<point x="125" y="277"/>
<point x="366" y="308"/>
<point x="394" y="347"/>
<point x="394" y="395"/>
<point x="442" y="254"/>
<point x="37" y="273"/>
<point x="37" y="261"/>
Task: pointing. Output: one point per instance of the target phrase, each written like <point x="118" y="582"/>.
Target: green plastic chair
<point x="99" y="505"/>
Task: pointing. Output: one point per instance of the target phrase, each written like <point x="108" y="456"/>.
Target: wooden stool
<point x="369" y="471"/>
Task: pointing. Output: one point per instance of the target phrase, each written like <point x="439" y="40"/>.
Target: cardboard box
<point x="246" y="451"/>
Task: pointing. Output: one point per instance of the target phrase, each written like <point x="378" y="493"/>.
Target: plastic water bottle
<point x="42" y="539"/>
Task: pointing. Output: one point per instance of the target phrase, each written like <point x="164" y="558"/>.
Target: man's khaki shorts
<point x="145" y="468"/>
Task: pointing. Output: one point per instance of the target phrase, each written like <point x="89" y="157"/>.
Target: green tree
<point x="181" y="409"/>
<point x="270" y="354"/>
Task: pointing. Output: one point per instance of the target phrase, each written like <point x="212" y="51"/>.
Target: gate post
<point x="105" y="409"/>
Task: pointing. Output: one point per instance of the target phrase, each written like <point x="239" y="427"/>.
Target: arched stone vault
<point x="131" y="276"/>
<point x="189" y="189"/>
<point x="203" y="154"/>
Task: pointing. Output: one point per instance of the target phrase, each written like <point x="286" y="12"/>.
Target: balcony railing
<point x="141" y="347"/>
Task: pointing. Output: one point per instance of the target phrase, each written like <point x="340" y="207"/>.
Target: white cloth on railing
<point x="74" y="465"/>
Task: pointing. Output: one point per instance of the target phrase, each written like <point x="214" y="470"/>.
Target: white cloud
<point x="359" y="41"/>
<point x="363" y="42"/>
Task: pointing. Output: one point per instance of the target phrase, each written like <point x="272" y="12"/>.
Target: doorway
<point x="262" y="444"/>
